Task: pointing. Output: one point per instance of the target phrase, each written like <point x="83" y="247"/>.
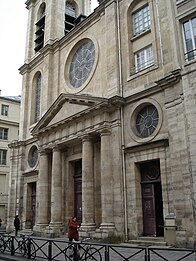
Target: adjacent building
<point x="9" y="130"/>
<point x="108" y="119"/>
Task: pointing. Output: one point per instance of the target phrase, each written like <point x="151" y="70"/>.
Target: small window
<point x="37" y="97"/>
<point x="40" y="28"/>
<point x="3" y="134"/>
<point x="33" y="156"/>
<point x="189" y="29"/>
<point x="147" y="121"/>
<point x="3" y="157"/>
<point x="70" y="16"/>
<point x="141" y="20"/>
<point x="144" y="59"/>
<point x="4" y="109"/>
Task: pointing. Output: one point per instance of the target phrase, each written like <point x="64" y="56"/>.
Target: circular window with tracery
<point x="82" y="63"/>
<point x="33" y="156"/>
<point x="146" y="121"/>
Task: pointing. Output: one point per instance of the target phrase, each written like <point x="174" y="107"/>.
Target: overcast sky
<point x="13" y="21"/>
<point x="13" y="25"/>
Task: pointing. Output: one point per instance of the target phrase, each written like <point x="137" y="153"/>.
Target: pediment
<point x="65" y="107"/>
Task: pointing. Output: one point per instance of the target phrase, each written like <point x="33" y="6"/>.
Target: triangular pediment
<point x="65" y="107"/>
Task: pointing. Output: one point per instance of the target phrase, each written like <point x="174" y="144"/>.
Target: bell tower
<point x="50" y="20"/>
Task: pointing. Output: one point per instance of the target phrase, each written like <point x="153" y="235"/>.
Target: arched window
<point x="70" y="16"/>
<point x="40" y="26"/>
<point x="38" y="96"/>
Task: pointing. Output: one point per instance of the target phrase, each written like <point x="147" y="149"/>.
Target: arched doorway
<point x="152" y="203"/>
<point x="31" y="205"/>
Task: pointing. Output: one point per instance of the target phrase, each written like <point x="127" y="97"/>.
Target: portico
<point x="56" y="197"/>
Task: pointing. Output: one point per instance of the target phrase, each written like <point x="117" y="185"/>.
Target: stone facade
<point x="114" y="143"/>
<point x="9" y="128"/>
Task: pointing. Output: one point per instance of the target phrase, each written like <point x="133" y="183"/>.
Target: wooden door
<point x="148" y="203"/>
<point x="33" y="204"/>
<point x="78" y="191"/>
<point x="152" y="204"/>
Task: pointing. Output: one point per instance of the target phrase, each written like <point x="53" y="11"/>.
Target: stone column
<point x="42" y="194"/>
<point x="106" y="182"/>
<point x="88" y="222"/>
<point x="56" y="189"/>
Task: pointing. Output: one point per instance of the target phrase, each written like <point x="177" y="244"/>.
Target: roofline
<point x="9" y="98"/>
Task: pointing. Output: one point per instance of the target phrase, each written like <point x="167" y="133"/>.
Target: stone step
<point x="148" y="241"/>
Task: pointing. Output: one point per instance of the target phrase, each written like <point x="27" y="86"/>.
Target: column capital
<point x="86" y="137"/>
<point x="55" y="147"/>
<point x="42" y="151"/>
<point x="105" y="132"/>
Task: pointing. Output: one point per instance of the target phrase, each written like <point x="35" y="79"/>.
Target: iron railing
<point x="190" y="55"/>
<point x="58" y="250"/>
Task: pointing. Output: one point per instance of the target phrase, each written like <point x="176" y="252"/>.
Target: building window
<point x="147" y="121"/>
<point x="141" y="20"/>
<point x="189" y="29"/>
<point x="3" y="134"/>
<point x="70" y="9"/>
<point x="3" y="157"/>
<point x="82" y="63"/>
<point x="40" y="27"/>
<point x="33" y="156"/>
<point x="70" y="16"/>
<point x="37" y="97"/>
<point x="4" y="109"/>
<point x="143" y="59"/>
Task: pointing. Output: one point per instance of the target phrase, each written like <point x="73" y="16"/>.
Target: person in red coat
<point x="73" y="227"/>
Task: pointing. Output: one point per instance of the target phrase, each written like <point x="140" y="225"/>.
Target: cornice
<point x="30" y="173"/>
<point x="29" y="2"/>
<point x="30" y="63"/>
<point x="16" y="144"/>
<point x="170" y="79"/>
<point x="10" y="123"/>
<point x="166" y="82"/>
<point x="20" y="143"/>
<point x="147" y="145"/>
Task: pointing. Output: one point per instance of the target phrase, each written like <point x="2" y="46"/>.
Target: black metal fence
<point x="59" y="250"/>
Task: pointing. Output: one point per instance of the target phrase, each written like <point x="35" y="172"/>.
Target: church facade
<point x="108" y="112"/>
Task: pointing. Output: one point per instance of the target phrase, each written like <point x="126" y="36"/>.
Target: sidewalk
<point x="8" y="257"/>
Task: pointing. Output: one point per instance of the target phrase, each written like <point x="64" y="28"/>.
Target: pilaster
<point x="106" y="182"/>
<point x="42" y="193"/>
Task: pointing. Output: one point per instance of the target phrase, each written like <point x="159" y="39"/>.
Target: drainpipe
<point x="159" y="31"/>
<point x="122" y="121"/>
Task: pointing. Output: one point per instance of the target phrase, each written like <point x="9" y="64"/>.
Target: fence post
<point x="147" y="254"/>
<point x="50" y="251"/>
<point x="29" y="248"/>
<point x="107" y="258"/>
<point x="12" y="245"/>
<point x="75" y="248"/>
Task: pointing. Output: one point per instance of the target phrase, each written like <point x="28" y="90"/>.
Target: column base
<point x="55" y="224"/>
<point x="39" y="228"/>
<point x="55" y="228"/>
<point x="107" y="227"/>
<point x="88" y="227"/>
